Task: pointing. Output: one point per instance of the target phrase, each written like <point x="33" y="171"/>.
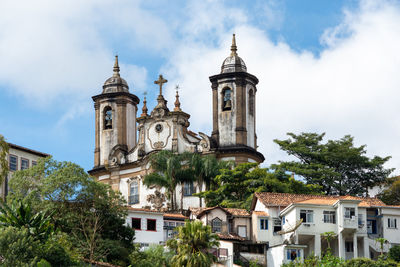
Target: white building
<point x="19" y="158"/>
<point x="294" y="225"/>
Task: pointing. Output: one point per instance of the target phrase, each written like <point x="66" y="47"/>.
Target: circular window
<point x="159" y="128"/>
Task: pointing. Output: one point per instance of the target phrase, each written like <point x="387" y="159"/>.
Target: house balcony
<point x="350" y="223"/>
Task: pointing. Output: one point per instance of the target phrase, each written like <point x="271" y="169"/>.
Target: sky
<point x="323" y="66"/>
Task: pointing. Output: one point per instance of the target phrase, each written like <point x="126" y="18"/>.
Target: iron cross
<point x="160" y="82"/>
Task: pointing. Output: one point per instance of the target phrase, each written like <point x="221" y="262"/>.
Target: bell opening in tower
<point x="227" y="103"/>
<point x="107" y="118"/>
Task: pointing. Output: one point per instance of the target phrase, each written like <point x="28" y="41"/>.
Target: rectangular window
<point x="277" y="225"/>
<point x="349" y="246"/>
<point x="34" y="163"/>
<point x="263" y="224"/>
<point x="188" y="189"/>
<point x="392" y="223"/>
<point x="134" y="193"/>
<point x="24" y="164"/>
<point x="307" y="216"/>
<point x="13" y="163"/>
<point x="151" y="225"/>
<point x="136" y="223"/>
<point x="329" y="216"/>
<point x="350" y="213"/>
<point x="283" y="220"/>
<point x="242" y="231"/>
<point x="293" y="254"/>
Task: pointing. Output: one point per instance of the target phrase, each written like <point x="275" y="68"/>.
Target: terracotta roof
<point x="285" y="199"/>
<point x="143" y="210"/>
<point x="234" y="212"/>
<point x="226" y="236"/>
<point x="237" y="212"/>
<point x="260" y="213"/>
<point x="175" y="215"/>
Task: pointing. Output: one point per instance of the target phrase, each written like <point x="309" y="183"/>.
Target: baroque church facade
<point x="125" y="141"/>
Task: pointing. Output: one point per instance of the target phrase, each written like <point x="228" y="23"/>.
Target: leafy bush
<point x="360" y="262"/>
<point x="155" y="255"/>
<point x="394" y="253"/>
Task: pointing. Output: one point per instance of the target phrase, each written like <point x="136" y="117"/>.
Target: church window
<point x="134" y="193"/>
<point x="151" y="225"/>
<point x="251" y="102"/>
<point x="216" y="225"/>
<point x="108" y="118"/>
<point x="227" y="99"/>
<point x="136" y="223"/>
<point x="188" y="189"/>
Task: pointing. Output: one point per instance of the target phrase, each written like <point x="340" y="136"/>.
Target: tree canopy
<point x="391" y="195"/>
<point x="337" y="166"/>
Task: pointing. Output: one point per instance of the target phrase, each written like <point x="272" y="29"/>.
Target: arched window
<point x="227" y="99"/>
<point x="108" y="116"/>
<point x="133" y="193"/>
<point x="216" y="225"/>
<point x="251" y="102"/>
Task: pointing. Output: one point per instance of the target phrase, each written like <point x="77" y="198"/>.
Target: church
<point x="124" y="140"/>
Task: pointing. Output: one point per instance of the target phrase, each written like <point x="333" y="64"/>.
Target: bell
<point x="108" y="124"/>
<point x="228" y="105"/>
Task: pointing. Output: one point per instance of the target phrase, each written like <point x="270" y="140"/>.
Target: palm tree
<point x="328" y="236"/>
<point x="3" y="159"/>
<point x="169" y="170"/>
<point x="381" y="241"/>
<point x="192" y="245"/>
<point x="205" y="168"/>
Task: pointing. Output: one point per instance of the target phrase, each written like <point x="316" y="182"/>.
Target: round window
<point x="159" y="128"/>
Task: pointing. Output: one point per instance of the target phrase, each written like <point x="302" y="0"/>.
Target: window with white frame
<point x="349" y="213"/>
<point x="134" y="192"/>
<point x="277" y="225"/>
<point x="329" y="216"/>
<point x="263" y="224"/>
<point x="392" y="223"/>
<point x="188" y="189"/>
<point x="292" y="254"/>
<point x="307" y="216"/>
<point x="216" y="225"/>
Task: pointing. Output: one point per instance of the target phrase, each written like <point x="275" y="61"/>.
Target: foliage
<point x="360" y="262"/>
<point x="394" y="253"/>
<point x="328" y="236"/>
<point x="19" y="214"/>
<point x="169" y="170"/>
<point x="3" y="159"/>
<point x="381" y="242"/>
<point x="192" y="244"/>
<point x="391" y="196"/>
<point x="155" y="255"/>
<point x="235" y="187"/>
<point x="337" y="165"/>
<point x="93" y="214"/>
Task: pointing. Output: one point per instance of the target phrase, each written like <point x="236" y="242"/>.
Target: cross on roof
<point x="160" y="82"/>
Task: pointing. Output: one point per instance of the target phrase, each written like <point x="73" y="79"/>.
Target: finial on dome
<point x="233" y="46"/>
<point x="116" y="66"/>
<point x="177" y="103"/>
<point x="144" y="109"/>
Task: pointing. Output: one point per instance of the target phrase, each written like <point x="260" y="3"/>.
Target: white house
<point x="294" y="225"/>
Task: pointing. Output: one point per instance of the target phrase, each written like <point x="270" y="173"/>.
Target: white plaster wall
<point x="109" y="137"/>
<point x="318" y="226"/>
<point x="144" y="236"/>
<point x="250" y="120"/>
<point x="275" y="256"/>
<point x="227" y="119"/>
<point x="242" y="221"/>
<point x="131" y="125"/>
<point x="392" y="235"/>
<point x="152" y="136"/>
<point x="228" y="245"/>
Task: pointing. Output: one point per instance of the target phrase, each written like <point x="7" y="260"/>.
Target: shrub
<point x="394" y="253"/>
<point x="360" y="262"/>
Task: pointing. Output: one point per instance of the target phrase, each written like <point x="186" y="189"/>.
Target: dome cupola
<point x="115" y="83"/>
<point x="233" y="63"/>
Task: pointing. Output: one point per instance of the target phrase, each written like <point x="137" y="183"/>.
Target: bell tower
<point x="234" y="119"/>
<point x="115" y="120"/>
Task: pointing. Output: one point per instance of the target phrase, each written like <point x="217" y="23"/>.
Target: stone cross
<point x="160" y="82"/>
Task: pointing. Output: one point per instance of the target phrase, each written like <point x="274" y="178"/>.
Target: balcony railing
<point x="133" y="199"/>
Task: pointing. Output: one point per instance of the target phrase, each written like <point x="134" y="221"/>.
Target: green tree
<point x="328" y="236"/>
<point x="381" y="242"/>
<point x="394" y="253"/>
<point x="155" y="255"/>
<point x="337" y="165"/>
<point x="3" y="159"/>
<point x="391" y="195"/>
<point x="192" y="245"/>
<point x="235" y="187"/>
<point x="168" y="170"/>
<point x="93" y="215"/>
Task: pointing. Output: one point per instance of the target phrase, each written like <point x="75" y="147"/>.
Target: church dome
<point x="233" y="63"/>
<point x="115" y="83"/>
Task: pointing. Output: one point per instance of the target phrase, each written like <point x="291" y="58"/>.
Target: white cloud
<point x="352" y="88"/>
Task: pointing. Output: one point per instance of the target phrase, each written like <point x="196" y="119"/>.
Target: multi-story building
<point x="294" y="225"/>
<point x="19" y="158"/>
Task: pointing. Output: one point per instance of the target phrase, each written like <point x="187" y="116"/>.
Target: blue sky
<point x="324" y="66"/>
